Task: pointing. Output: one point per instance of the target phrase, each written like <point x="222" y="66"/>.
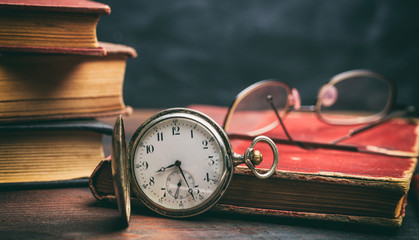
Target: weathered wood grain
<point x="73" y="213"/>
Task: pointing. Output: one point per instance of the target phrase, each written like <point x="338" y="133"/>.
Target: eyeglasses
<point x="350" y="98"/>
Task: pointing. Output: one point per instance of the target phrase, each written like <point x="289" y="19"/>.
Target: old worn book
<point x="53" y="86"/>
<point x="50" y="26"/>
<point x="353" y="183"/>
<point x="50" y="151"/>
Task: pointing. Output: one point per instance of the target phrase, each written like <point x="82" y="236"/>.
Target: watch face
<point x="180" y="164"/>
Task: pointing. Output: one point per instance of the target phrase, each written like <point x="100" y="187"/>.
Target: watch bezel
<point x="226" y="151"/>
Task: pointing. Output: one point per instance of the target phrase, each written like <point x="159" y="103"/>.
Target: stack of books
<point x="55" y="79"/>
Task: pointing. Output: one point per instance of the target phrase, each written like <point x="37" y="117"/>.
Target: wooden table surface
<point x="69" y="211"/>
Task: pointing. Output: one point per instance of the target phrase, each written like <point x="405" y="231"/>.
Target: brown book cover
<point x="49" y="26"/>
<point x="63" y="86"/>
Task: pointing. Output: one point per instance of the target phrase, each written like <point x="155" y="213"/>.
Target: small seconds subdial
<point x="179" y="164"/>
<point x="177" y="187"/>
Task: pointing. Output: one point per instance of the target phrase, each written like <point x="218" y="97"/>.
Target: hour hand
<point x="162" y="169"/>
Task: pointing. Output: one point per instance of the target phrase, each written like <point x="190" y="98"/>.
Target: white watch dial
<point x="178" y="164"/>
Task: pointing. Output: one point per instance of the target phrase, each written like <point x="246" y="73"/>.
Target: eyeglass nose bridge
<point x="294" y="99"/>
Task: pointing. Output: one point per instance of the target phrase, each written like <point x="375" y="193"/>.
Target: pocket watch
<point x="179" y="163"/>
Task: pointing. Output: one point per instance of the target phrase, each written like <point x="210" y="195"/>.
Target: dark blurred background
<point x="202" y="51"/>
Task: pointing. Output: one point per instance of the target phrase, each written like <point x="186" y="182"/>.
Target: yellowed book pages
<point x="39" y="156"/>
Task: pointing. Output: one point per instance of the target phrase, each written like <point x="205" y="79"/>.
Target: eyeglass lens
<point x="252" y="114"/>
<point x="354" y="100"/>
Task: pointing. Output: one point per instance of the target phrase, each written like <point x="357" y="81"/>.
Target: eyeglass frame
<point x="293" y="99"/>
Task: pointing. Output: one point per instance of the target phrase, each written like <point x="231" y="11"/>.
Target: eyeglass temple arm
<point x="269" y="99"/>
<point x="340" y="147"/>
<point x="360" y="129"/>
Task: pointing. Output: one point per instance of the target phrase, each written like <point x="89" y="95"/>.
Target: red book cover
<point x="322" y="171"/>
<point x="395" y="136"/>
<point x="81" y="6"/>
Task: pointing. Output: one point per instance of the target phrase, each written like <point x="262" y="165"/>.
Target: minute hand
<point x="184" y="178"/>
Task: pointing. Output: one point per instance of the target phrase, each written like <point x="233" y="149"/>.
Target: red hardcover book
<point x="338" y="185"/>
<point x="49" y="26"/>
<point x="63" y="86"/>
<point x="344" y="185"/>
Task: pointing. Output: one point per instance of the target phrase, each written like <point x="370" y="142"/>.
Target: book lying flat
<point x="50" y="151"/>
<point x="345" y="184"/>
<point x="63" y="86"/>
<point x="328" y="183"/>
<point x="50" y="26"/>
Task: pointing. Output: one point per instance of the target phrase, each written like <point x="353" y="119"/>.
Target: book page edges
<point x="377" y="221"/>
<point x="79" y="152"/>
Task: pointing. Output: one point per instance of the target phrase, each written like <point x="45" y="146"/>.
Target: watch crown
<point x="257" y="157"/>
